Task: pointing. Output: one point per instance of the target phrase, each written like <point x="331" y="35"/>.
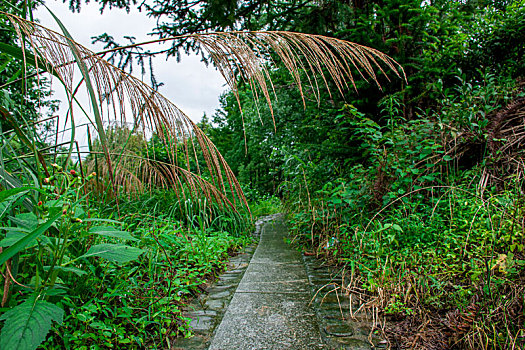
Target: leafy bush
<point x="424" y="231"/>
<point x="104" y="282"/>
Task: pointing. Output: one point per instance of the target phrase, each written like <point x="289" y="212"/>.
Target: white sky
<point x="189" y="84"/>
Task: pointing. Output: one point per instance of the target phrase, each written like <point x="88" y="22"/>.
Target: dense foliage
<point x="416" y="189"/>
<point x="86" y="261"/>
<point x="23" y="97"/>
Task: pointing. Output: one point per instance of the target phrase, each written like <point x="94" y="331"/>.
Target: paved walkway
<point x="269" y="309"/>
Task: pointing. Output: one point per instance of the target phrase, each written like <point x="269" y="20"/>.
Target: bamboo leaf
<point x="8" y="193"/>
<point x="74" y="270"/>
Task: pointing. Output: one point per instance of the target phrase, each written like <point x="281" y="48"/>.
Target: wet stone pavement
<point x="333" y="310"/>
<point x="269" y="298"/>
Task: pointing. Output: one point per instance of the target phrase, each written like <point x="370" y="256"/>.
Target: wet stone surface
<point x="206" y="312"/>
<point x="338" y="329"/>
<point x="273" y="297"/>
<point x="270" y="308"/>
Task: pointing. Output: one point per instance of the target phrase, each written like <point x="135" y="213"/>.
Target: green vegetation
<point x="108" y="280"/>
<point x="102" y="248"/>
<point x="415" y="189"/>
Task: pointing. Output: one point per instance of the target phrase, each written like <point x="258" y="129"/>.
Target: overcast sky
<point x="189" y="84"/>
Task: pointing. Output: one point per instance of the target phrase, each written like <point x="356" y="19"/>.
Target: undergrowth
<point x="433" y="240"/>
<point x="262" y="204"/>
<point x="121" y="280"/>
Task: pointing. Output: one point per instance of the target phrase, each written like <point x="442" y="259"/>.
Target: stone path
<point x="268" y="300"/>
<point x="269" y="309"/>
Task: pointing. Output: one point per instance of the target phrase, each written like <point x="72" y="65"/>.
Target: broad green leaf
<point x="29" y="221"/>
<point x="99" y="325"/>
<point x="79" y="212"/>
<point x="11" y="238"/>
<point x="74" y="270"/>
<point x="119" y="253"/>
<point x="55" y="291"/>
<point x="27" y="324"/>
<point x="55" y="203"/>
<point x="21" y="244"/>
<point x="397" y="228"/>
<point x="12" y="229"/>
<point x="108" y="231"/>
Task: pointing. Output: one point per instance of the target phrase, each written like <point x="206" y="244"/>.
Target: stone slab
<point x="281" y="272"/>
<point x="267" y="321"/>
<point x="269" y="257"/>
<point x="277" y="287"/>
